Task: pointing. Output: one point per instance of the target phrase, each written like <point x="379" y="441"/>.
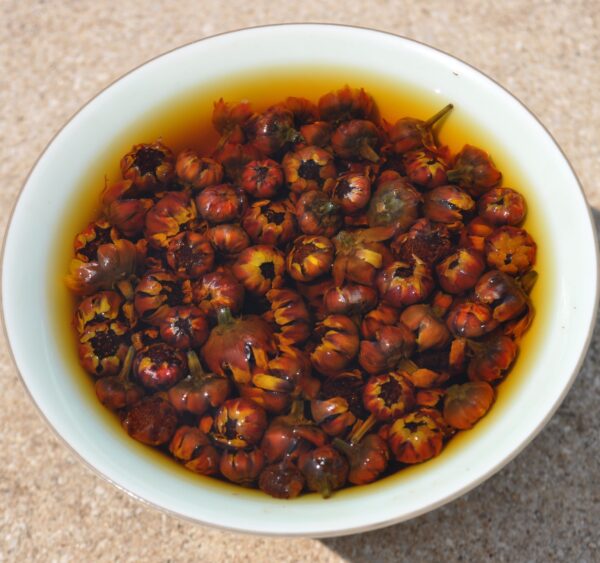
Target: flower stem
<point x="224" y="316"/>
<point x="325" y="487"/>
<point x="344" y="447"/>
<point x="126" y="367"/>
<point x="366" y="151"/>
<point x="194" y="365"/>
<point x="431" y="121"/>
<point x="361" y="430"/>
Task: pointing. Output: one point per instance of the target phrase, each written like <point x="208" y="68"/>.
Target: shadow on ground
<point x="545" y="505"/>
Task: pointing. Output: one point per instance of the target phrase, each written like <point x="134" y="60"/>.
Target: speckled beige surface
<point x="543" y="506"/>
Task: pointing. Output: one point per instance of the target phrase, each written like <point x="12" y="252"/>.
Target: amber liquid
<point x="186" y="122"/>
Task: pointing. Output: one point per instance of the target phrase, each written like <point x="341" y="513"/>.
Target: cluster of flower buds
<point x="322" y="300"/>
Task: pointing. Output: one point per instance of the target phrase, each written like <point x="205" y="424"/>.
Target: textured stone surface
<point x="54" y="56"/>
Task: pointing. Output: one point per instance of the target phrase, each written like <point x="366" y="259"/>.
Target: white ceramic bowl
<point x="559" y="216"/>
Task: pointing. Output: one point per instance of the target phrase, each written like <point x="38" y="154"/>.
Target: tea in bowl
<point x="170" y="100"/>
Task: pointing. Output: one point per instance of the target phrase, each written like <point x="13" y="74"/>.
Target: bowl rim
<point x="334" y="531"/>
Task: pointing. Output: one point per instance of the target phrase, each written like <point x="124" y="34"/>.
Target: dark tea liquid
<point x="185" y="122"/>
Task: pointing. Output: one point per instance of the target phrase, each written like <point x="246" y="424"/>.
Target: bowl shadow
<point x="544" y="505"/>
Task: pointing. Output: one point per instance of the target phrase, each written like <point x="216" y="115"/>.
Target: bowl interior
<point x="261" y="58"/>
